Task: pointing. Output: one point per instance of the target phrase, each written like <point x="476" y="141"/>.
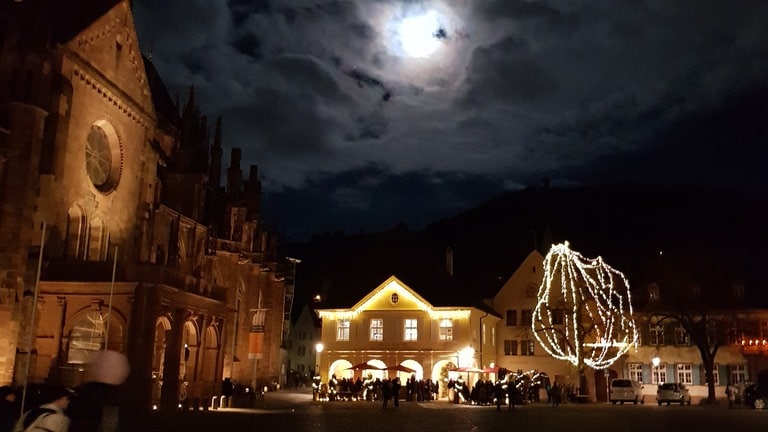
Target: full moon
<point x="417" y="34"/>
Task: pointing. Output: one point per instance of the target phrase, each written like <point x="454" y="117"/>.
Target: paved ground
<point x="289" y="411"/>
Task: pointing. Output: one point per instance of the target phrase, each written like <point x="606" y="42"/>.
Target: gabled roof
<point x="393" y="285"/>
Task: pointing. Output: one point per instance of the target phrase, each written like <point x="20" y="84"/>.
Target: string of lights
<point x="584" y="313"/>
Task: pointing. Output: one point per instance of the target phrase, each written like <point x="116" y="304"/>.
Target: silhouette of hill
<point x="628" y="225"/>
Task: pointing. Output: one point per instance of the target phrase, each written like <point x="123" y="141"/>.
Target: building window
<point x="681" y="336"/>
<point x="526" y="347"/>
<point x="656" y="335"/>
<point x="482" y="334"/>
<point x="493" y="336"/>
<point x="342" y="329"/>
<point x="738" y="373"/>
<point x="526" y="317"/>
<point x="377" y="329"/>
<point x="411" y="329"/>
<point x="659" y="374"/>
<point x="636" y="372"/>
<point x="394" y="298"/>
<point x="558" y="316"/>
<point x="446" y="329"/>
<point x="716" y="374"/>
<point x="653" y="292"/>
<point x="764" y="329"/>
<point x="511" y="317"/>
<point x="685" y="373"/>
<point x="510" y="347"/>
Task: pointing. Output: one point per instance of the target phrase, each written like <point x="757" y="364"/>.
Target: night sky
<point x="364" y="114"/>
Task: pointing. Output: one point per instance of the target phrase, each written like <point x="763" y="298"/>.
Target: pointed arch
<point x="87" y="334"/>
<point x="98" y="240"/>
<point x="77" y="232"/>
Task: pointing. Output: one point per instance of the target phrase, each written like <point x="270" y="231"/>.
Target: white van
<point x="626" y="390"/>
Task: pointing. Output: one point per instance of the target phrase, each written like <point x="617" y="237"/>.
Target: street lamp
<point x="318" y="349"/>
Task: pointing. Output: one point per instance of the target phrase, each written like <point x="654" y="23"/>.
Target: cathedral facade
<point x="115" y="232"/>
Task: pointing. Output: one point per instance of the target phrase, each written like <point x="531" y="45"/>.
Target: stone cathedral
<point x="115" y="230"/>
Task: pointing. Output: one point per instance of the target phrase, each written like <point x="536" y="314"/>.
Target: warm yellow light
<point x="319" y="347"/>
<point x="394" y="287"/>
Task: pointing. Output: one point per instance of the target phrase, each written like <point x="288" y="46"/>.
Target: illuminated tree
<point x="584" y="313"/>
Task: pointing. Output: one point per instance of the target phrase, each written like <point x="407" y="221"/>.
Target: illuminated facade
<point x="142" y="251"/>
<point x="395" y="326"/>
<point x="678" y="361"/>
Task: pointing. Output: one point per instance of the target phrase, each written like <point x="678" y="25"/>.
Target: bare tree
<point x="698" y="292"/>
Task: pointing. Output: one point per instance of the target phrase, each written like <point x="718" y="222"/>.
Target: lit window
<point x="446" y="329"/>
<point x="716" y="374"/>
<point x="482" y="333"/>
<point x="659" y="374"/>
<point x="411" y="329"/>
<point x="342" y="329"/>
<point x="681" y="336"/>
<point x="377" y="329"/>
<point x="636" y="372"/>
<point x="685" y="373"/>
<point x="493" y="336"/>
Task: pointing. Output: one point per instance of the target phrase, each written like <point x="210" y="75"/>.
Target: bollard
<point x="215" y="402"/>
<point x="206" y="403"/>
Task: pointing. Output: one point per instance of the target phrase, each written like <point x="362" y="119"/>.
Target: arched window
<point x="98" y="240"/>
<point x="77" y="233"/>
<point x="88" y="336"/>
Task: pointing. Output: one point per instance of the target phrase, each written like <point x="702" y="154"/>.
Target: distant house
<point x="517" y="349"/>
<point x="302" y="348"/>
<point x="393" y="326"/>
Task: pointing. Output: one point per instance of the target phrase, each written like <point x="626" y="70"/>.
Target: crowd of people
<point x="375" y="389"/>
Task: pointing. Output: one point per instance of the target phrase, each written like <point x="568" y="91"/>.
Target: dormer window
<point x="653" y="292"/>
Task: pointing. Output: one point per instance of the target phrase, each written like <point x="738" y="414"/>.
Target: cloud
<point x="313" y="90"/>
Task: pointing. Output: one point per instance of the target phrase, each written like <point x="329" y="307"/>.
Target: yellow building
<point x="393" y="326"/>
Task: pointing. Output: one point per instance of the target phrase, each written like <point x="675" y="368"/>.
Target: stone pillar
<point x="169" y="395"/>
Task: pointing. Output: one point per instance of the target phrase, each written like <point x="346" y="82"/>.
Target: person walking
<point x="556" y="394"/>
<point x="50" y="416"/>
<point x="730" y="393"/>
<point x="386" y="392"/>
<point x="396" y="391"/>
<point x="8" y="408"/>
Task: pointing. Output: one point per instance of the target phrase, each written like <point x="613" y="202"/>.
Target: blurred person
<point x="50" y="416"/>
<point x="8" y="408"/>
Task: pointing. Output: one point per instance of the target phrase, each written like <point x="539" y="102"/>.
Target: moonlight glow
<point x="417" y="34"/>
<point x="584" y="313"/>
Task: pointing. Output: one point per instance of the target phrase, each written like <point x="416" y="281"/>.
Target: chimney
<point x="449" y="260"/>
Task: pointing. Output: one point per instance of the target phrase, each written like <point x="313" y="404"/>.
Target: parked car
<point x="756" y="395"/>
<point x="673" y="393"/>
<point x="626" y="390"/>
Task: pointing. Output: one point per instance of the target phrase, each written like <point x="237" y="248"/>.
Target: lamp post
<point x="655" y="361"/>
<point x="318" y="349"/>
<point x="316" y="380"/>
